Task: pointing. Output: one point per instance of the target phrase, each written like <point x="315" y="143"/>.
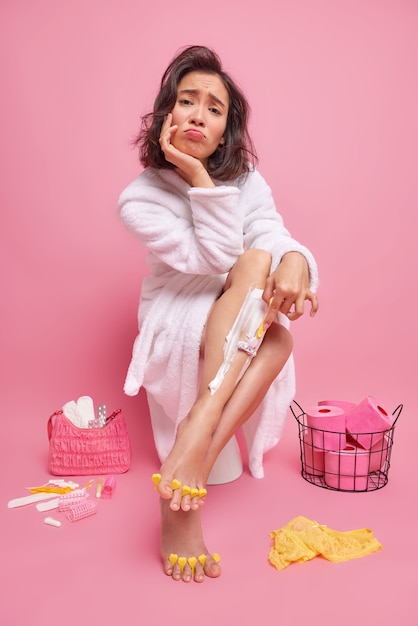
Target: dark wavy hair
<point x="237" y="155"/>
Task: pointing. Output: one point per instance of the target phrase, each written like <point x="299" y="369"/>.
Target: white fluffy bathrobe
<point x="194" y="236"/>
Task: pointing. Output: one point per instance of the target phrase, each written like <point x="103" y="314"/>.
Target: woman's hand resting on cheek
<point x="188" y="167"/>
<point x="287" y="288"/>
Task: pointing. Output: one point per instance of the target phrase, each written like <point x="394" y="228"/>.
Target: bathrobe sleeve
<point x="193" y="230"/>
<point x="264" y="227"/>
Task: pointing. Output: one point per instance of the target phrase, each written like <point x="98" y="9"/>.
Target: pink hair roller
<point x="80" y="511"/>
<point x="67" y="500"/>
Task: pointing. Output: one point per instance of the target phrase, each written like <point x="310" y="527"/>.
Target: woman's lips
<point x="195" y="134"/>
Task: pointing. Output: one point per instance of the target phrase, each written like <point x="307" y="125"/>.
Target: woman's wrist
<point x="201" y="179"/>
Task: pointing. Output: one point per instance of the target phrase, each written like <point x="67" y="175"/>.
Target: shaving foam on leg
<point x="246" y="335"/>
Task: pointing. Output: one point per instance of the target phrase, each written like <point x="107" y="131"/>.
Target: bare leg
<point x="270" y="360"/>
<point x="195" y="431"/>
<point x="181" y="530"/>
<point x="215" y="418"/>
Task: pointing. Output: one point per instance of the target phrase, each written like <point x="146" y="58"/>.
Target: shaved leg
<point x="185" y="461"/>
<point x="214" y="418"/>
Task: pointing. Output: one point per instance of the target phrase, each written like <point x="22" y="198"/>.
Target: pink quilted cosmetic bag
<point x="77" y="451"/>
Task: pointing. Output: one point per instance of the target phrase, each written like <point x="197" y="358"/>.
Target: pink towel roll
<point x="367" y="422"/>
<point x="347" y="470"/>
<point x="327" y="424"/>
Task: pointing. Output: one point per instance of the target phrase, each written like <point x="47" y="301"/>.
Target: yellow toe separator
<point x="173" y="558"/>
<point x="192" y="562"/>
<point x="185" y="490"/>
<point x="182" y="562"/>
<point x="194" y="493"/>
<point x="202" y="493"/>
<point x="203" y="558"/>
<point x="156" y="478"/>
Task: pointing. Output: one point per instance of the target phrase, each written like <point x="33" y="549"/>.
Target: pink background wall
<point x="333" y="90"/>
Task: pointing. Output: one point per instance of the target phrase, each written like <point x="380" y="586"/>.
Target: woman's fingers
<point x="274" y="306"/>
<point x="292" y="305"/>
<point x="165" y="134"/>
<point x="314" y="302"/>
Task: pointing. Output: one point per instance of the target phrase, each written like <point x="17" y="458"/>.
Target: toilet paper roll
<point x="347" y="470"/>
<point x="327" y="424"/>
<point x="379" y="454"/>
<point x="312" y="458"/>
<point x="367" y="422"/>
<point x="342" y="404"/>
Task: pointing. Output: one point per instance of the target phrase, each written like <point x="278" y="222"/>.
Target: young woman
<point x="219" y="254"/>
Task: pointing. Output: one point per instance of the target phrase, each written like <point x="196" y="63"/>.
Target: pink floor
<point x="106" y="569"/>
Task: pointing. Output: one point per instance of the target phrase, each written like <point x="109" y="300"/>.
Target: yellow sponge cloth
<point x="303" y="539"/>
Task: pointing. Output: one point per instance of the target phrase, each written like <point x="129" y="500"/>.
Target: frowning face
<point x="201" y="113"/>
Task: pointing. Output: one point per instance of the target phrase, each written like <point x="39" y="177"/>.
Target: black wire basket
<point x="347" y="466"/>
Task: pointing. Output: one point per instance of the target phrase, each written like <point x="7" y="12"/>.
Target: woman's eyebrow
<point x="192" y="92"/>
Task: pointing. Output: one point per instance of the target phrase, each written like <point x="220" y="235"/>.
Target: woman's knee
<point x="254" y="264"/>
<point x="258" y="259"/>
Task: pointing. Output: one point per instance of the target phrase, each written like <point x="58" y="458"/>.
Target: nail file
<point x="49" y="505"/>
<point x="35" y="497"/>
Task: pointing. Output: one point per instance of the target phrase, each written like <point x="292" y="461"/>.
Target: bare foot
<point x="181" y="534"/>
<point x="185" y="464"/>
